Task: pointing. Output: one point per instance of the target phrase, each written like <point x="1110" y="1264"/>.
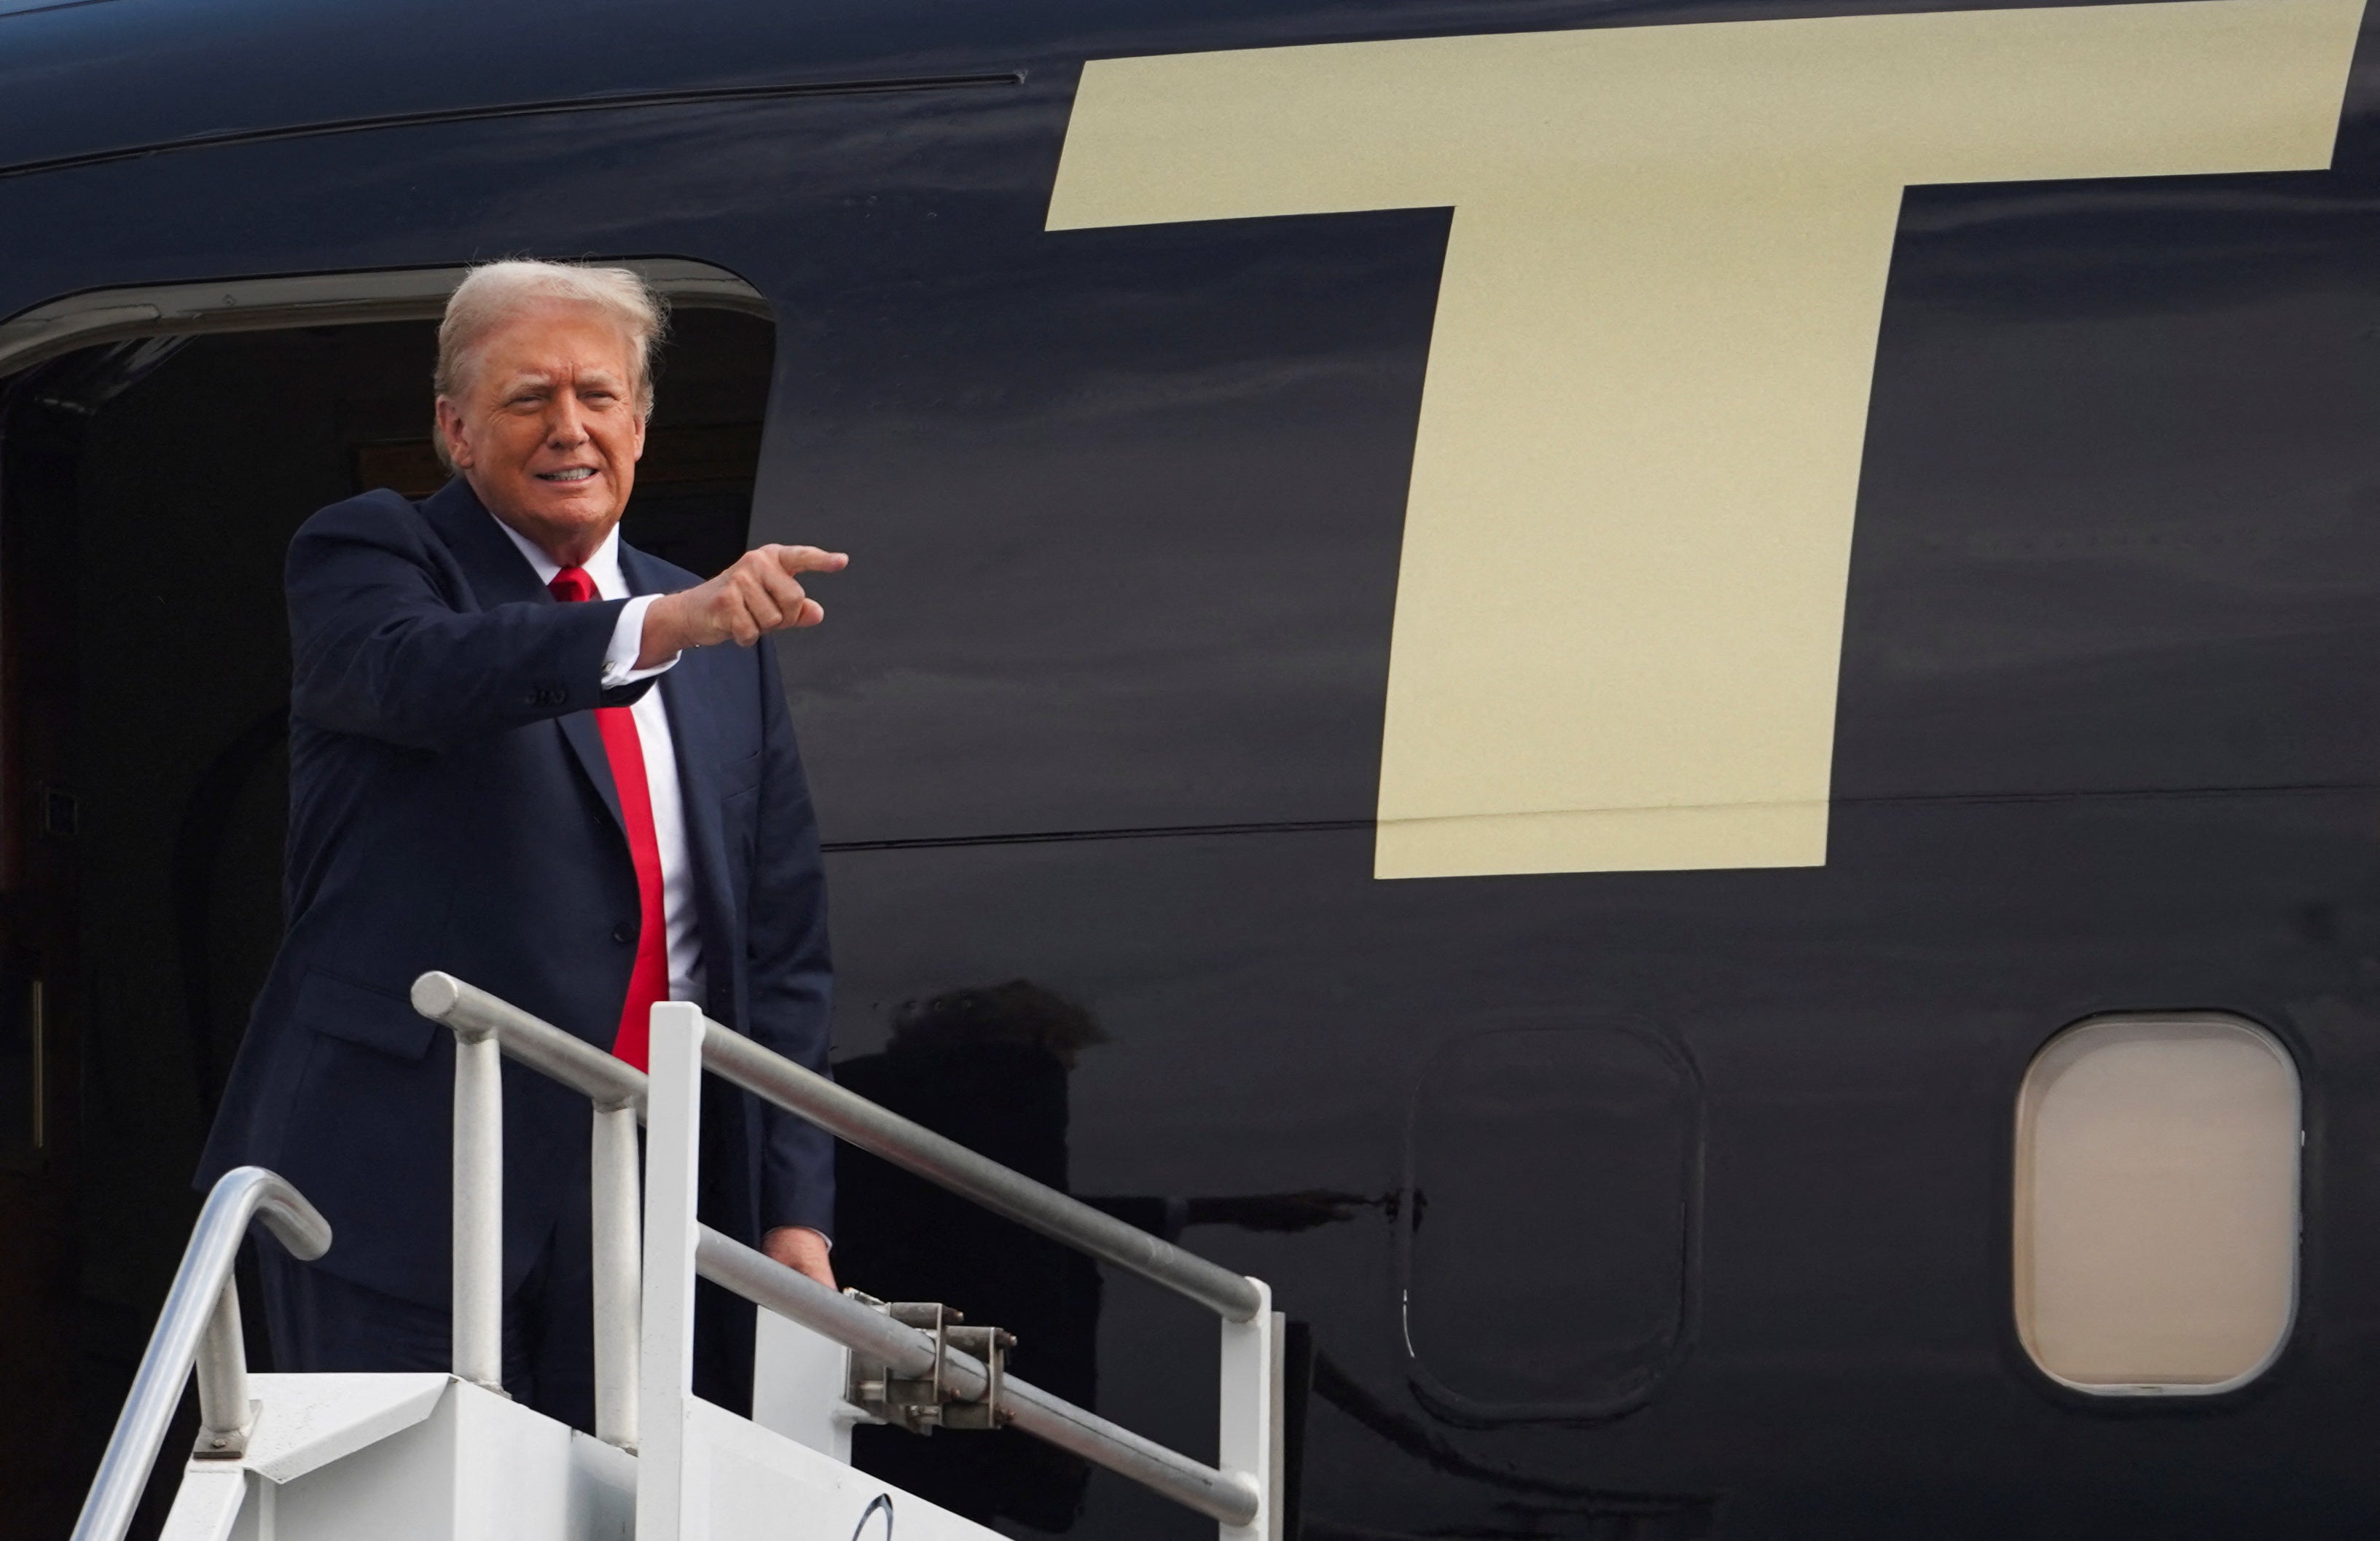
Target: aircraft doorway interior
<point x="147" y="490"/>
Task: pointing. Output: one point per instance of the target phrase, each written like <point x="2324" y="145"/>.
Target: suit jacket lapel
<point x="586" y="740"/>
<point x="499" y="575"/>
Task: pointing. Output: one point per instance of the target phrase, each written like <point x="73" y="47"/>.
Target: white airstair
<point x="428" y="1457"/>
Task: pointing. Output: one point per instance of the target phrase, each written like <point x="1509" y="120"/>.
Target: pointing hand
<point x="759" y="594"/>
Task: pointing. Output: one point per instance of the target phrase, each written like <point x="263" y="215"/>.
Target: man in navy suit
<point x="519" y="752"/>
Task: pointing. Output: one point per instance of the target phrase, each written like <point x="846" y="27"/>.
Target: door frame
<point x="191" y="310"/>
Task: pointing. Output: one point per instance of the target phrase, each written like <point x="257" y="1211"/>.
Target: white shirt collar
<point x="604" y="566"/>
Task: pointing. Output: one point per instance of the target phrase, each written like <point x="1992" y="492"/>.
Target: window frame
<point x="1462" y="1408"/>
<point x="2129" y="1396"/>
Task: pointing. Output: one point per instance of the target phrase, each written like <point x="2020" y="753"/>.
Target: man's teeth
<point x="576" y="473"/>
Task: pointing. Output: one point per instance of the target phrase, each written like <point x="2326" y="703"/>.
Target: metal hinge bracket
<point x="923" y="1404"/>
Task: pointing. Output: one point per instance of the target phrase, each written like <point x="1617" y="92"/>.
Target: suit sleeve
<point x="380" y="646"/>
<point x="790" y="973"/>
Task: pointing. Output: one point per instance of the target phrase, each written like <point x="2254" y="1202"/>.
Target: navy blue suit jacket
<point x="451" y="808"/>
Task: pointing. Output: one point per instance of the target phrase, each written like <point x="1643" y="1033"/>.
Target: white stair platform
<point x="431" y="1457"/>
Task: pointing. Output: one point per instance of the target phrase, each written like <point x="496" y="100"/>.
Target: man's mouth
<point x="576" y="473"/>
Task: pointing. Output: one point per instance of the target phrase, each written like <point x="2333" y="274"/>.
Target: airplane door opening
<point x="149" y="486"/>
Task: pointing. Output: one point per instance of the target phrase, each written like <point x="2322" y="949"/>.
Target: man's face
<point x="548" y="432"/>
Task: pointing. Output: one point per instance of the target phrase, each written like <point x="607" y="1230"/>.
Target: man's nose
<point x="566" y="424"/>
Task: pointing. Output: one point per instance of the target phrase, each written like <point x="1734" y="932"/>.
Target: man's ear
<point x="450" y="431"/>
<point x="642" y="421"/>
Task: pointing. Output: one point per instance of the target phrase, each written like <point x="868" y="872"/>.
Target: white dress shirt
<point x="660" y="752"/>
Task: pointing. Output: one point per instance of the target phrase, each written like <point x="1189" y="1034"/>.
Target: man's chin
<point x="564" y="520"/>
<point x="575" y="515"/>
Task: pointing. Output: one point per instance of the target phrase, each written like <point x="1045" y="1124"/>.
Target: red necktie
<point x="649" y="980"/>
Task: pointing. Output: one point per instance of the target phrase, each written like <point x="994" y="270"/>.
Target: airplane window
<point x="1547" y="1221"/>
<point x="2156" y="1204"/>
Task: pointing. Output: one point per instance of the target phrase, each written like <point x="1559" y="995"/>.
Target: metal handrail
<point x="605" y="1078"/>
<point x="946" y="1163"/>
<point x="200" y="1330"/>
<point x="487" y="1024"/>
<point x="852" y="1118"/>
<point x="911" y="1352"/>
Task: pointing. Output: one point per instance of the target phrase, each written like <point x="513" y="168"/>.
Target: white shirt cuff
<point x="627" y="642"/>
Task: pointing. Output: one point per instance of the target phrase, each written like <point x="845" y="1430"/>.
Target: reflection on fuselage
<point x="987" y="1067"/>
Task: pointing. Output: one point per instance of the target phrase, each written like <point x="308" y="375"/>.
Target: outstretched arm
<point x="380" y="647"/>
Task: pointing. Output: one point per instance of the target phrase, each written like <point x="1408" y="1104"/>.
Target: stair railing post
<point x="617" y="1265"/>
<point x="479" y="1342"/>
<point x="672" y="1176"/>
<point x="1249" y="1443"/>
<point x="225" y="1414"/>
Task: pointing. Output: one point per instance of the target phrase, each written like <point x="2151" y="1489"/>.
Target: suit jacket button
<point x="624" y="931"/>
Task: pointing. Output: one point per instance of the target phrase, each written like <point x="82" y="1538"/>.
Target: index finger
<point x="808" y="559"/>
